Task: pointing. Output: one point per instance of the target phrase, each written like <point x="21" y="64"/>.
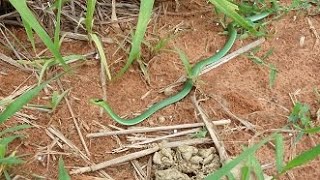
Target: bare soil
<point x="241" y="85"/>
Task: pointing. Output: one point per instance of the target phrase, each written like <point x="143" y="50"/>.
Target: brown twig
<point x="136" y="165"/>
<point x="182" y="133"/>
<point x="153" y="129"/>
<point x="233" y="55"/>
<point x="212" y="131"/>
<point x="149" y="167"/>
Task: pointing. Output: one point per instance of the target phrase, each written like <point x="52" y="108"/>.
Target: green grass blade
<point x="243" y="156"/>
<point x="45" y="66"/>
<point x="302" y="159"/>
<point x="229" y="9"/>
<point x="245" y="173"/>
<point x="6" y="175"/>
<point x="14" y="129"/>
<point x="22" y="100"/>
<point x="146" y="7"/>
<point x="63" y="174"/>
<point x="272" y="75"/>
<point x="6" y="140"/>
<point x="56" y="4"/>
<point x="300" y="112"/>
<point x="268" y="53"/>
<point x="256" y="166"/>
<point x="25" y="12"/>
<point x="185" y="61"/>
<point x="279" y="152"/>
<point x="102" y="55"/>
<point x="3" y="150"/>
<point x="161" y="44"/>
<point x="230" y="176"/>
<point x="312" y="130"/>
<point x="29" y="33"/>
<point x="57" y="29"/>
<point x="11" y="160"/>
<point x="91" y="4"/>
<point x="57" y="98"/>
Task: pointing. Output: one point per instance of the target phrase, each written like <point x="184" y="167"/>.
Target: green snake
<point x="188" y="85"/>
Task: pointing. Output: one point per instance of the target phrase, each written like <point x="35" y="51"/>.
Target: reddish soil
<point x="241" y="85"/>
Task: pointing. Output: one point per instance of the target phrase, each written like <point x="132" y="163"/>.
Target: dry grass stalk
<point x="154" y="129"/>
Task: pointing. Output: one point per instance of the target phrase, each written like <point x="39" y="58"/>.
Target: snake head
<point x="96" y="101"/>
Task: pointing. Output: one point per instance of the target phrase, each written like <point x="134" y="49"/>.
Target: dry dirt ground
<point x="241" y="85"/>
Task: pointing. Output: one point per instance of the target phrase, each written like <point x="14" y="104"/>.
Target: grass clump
<point x="146" y="7"/>
<point x="31" y="23"/>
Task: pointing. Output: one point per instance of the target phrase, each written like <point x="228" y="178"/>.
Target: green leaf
<point x="230" y="9"/>
<point x="272" y="75"/>
<point x="268" y="53"/>
<point x="256" y="59"/>
<point x="56" y="4"/>
<point x="245" y="173"/>
<point x="146" y="7"/>
<point x="3" y="150"/>
<point x="29" y="33"/>
<point x="257" y="169"/>
<point x="63" y="174"/>
<point x="45" y="66"/>
<point x="230" y="176"/>
<point x="56" y="40"/>
<point x="102" y="55"/>
<point x="161" y="44"/>
<point x="243" y="156"/>
<point x="279" y="152"/>
<point x="185" y="61"/>
<point x="14" y="129"/>
<point x="91" y="4"/>
<point x="312" y="130"/>
<point x="6" y="140"/>
<point x="302" y="159"/>
<point x="56" y="99"/>
<point x="11" y="160"/>
<point x="22" y="100"/>
<point x="6" y="175"/>
<point x="302" y="112"/>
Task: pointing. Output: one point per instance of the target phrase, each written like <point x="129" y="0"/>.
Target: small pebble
<point x="175" y="131"/>
<point x="168" y="91"/>
<point x="302" y="40"/>
<point x="161" y="119"/>
<point x="96" y="57"/>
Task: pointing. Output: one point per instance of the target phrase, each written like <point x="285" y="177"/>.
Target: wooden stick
<point x="153" y="129"/>
<point x="138" y="154"/>
<point x="233" y="55"/>
<point x="212" y="131"/>
<point x="162" y="138"/>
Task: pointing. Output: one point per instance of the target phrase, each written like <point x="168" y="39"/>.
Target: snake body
<point x="188" y="85"/>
